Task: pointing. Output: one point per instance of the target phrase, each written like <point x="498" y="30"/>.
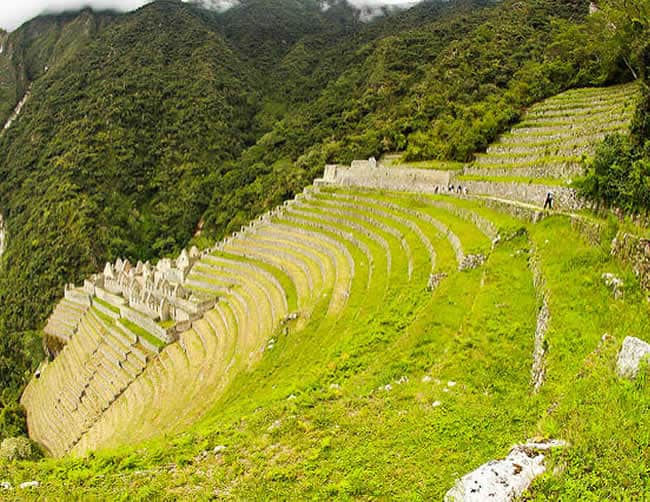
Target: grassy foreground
<point x="406" y="390"/>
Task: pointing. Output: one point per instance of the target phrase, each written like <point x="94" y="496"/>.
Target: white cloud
<point x="369" y="9"/>
<point x="15" y="13"/>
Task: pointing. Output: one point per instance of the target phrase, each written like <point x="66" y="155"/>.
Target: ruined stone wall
<point x="561" y="170"/>
<point x="530" y="193"/>
<point x="147" y="324"/>
<point x="77" y="296"/>
<point x="635" y="251"/>
<point x="382" y="178"/>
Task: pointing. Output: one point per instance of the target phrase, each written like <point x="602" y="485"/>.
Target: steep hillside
<point x="40" y="45"/>
<point x="354" y="343"/>
<point x="175" y="125"/>
<point x="118" y="152"/>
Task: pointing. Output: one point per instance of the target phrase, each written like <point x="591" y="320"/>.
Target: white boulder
<point x="629" y="359"/>
<point x="503" y="480"/>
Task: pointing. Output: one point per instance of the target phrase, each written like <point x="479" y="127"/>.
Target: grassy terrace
<point x="105" y="304"/>
<point x="514" y="179"/>
<point x="143" y="333"/>
<point x="439" y="165"/>
<point x="403" y="390"/>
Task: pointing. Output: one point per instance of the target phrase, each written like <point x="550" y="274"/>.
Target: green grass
<point x="605" y="419"/>
<point x="346" y="436"/>
<point x="167" y="324"/>
<point x="287" y="284"/>
<point x="108" y="320"/>
<point x="540" y="159"/>
<point x="439" y="165"/>
<point x="107" y="305"/>
<point x="143" y="333"/>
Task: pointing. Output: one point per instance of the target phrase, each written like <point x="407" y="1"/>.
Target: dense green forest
<point x="143" y="126"/>
<point x="619" y="175"/>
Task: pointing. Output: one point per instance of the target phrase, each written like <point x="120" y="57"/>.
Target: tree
<point x="627" y="25"/>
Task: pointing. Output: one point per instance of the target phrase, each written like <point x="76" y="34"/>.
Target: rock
<point x="503" y="480"/>
<point x="291" y="317"/>
<point x="472" y="261"/>
<point x="219" y="449"/>
<point x="435" y="404"/>
<point x="451" y="384"/>
<point x="426" y="379"/>
<point x="275" y="425"/>
<point x="5" y="485"/>
<point x="29" y="484"/>
<point x="615" y="284"/>
<point x="335" y="386"/>
<point x="633" y="351"/>
<point x="435" y="280"/>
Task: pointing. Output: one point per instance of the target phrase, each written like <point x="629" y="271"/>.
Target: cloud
<point x="369" y="9"/>
<point x="20" y="11"/>
<point x="15" y="13"/>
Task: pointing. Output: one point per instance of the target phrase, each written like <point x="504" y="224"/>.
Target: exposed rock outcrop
<point x="435" y="280"/>
<point x="633" y="352"/>
<point x="538" y="370"/>
<point x="472" y="261"/>
<point x="17" y="110"/>
<point x="615" y="284"/>
<point x="506" y="479"/>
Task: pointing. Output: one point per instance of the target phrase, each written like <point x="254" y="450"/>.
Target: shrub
<point x="18" y="448"/>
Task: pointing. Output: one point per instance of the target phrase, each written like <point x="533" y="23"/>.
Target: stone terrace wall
<point x="530" y="193"/>
<point x="560" y="170"/>
<point x="382" y="178"/>
<point x="634" y="250"/>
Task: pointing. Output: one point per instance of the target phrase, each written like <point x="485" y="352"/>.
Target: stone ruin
<point x="151" y="297"/>
<point x="157" y="291"/>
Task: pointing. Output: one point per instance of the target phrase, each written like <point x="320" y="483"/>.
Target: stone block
<point x="633" y="352"/>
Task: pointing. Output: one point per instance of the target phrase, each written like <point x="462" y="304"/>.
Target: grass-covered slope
<point x="555" y="136"/>
<point x="399" y="391"/>
<point x="167" y="122"/>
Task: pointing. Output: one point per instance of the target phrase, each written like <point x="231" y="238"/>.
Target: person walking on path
<point x="548" y="203"/>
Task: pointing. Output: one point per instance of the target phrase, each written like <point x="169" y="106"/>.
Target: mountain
<point x="40" y="45"/>
<point x="174" y="124"/>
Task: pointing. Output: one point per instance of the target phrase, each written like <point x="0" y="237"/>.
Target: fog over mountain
<point x="12" y="16"/>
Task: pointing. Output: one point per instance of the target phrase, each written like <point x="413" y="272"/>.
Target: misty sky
<point x="16" y="12"/>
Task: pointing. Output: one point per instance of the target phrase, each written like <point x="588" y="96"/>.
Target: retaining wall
<point x="635" y="251"/>
<point x="531" y="193"/>
<point x="147" y="324"/>
<point x="382" y="178"/>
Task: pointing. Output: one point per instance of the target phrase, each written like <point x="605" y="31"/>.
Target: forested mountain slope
<point x="39" y="45"/>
